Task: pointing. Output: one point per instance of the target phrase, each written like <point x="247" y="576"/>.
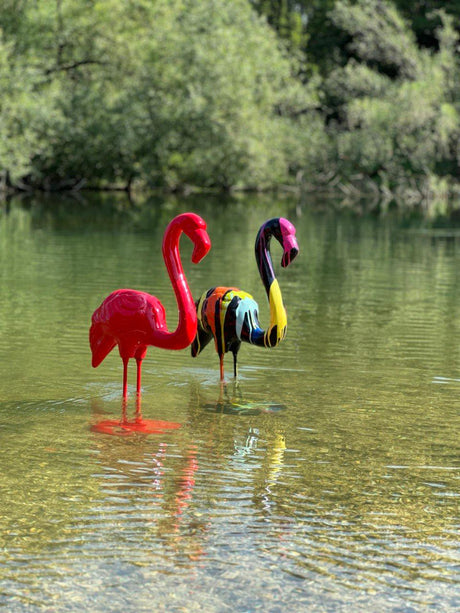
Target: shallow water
<point x="325" y="480"/>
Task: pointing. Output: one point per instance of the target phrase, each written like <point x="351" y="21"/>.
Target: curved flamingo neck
<point x="264" y="258"/>
<point x="278" y="318"/>
<point x="185" y="332"/>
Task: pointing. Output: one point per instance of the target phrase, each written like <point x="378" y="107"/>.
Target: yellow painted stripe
<point x="278" y="315"/>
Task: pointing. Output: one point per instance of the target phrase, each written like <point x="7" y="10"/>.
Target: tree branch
<point x="67" y="67"/>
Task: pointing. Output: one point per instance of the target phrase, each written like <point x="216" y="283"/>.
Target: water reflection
<point x="326" y="479"/>
<point x="124" y="426"/>
<point x="147" y="487"/>
<point x="231" y="401"/>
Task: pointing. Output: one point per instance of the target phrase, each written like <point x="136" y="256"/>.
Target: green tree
<point x="170" y="92"/>
<point x="18" y="112"/>
<point x="424" y="18"/>
<point x="402" y="131"/>
<point x="215" y="93"/>
<point x="288" y="18"/>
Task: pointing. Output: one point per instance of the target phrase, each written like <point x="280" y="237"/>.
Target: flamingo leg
<point x="125" y="377"/>
<point x="221" y="366"/>
<point x="235" y="365"/>
<point x="139" y="374"/>
<point x="138" y="415"/>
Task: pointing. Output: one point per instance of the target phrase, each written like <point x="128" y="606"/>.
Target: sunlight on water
<point x="326" y="479"/>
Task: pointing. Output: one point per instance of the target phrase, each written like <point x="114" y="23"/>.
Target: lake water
<point x="325" y="480"/>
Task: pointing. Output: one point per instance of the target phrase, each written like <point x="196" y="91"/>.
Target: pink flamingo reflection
<point x="125" y="426"/>
<point x="168" y="479"/>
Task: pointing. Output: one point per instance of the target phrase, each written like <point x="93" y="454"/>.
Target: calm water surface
<point x="327" y="480"/>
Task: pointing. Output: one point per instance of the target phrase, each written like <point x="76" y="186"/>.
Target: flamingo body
<point x="125" y="318"/>
<point x="229" y="315"/>
<point x="134" y="320"/>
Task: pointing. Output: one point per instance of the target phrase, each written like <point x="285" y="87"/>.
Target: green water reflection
<point x="326" y="480"/>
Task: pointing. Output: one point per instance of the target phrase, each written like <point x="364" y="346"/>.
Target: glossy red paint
<point x="133" y="320"/>
<point x="125" y="426"/>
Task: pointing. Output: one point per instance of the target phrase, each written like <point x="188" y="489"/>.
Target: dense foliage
<point x="243" y="94"/>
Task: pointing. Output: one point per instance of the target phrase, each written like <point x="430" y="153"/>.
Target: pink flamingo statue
<point x="133" y="320"/>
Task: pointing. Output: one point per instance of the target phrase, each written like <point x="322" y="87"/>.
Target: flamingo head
<point x="284" y="232"/>
<point x="195" y="228"/>
<point x="286" y="237"/>
<point x="202" y="245"/>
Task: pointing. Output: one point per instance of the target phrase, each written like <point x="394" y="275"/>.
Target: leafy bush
<point x="403" y="130"/>
<point x="171" y="92"/>
<point x="179" y="93"/>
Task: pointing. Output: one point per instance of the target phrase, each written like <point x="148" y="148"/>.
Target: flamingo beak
<point x="291" y="249"/>
<point x="202" y="245"/>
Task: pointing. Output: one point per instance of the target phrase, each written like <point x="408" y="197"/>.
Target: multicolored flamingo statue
<point x="133" y="320"/>
<point x="230" y="315"/>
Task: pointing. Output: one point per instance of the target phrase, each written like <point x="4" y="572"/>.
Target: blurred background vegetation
<point x="357" y="96"/>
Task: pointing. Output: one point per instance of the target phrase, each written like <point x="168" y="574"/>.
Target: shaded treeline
<point x="179" y="94"/>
